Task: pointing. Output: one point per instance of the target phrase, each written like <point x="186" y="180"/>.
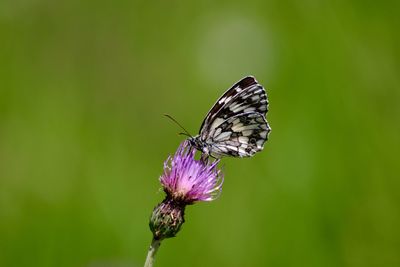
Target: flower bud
<point x="167" y="219"/>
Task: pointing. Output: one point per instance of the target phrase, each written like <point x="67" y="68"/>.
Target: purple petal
<point x="189" y="180"/>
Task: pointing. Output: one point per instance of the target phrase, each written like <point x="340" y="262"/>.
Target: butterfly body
<point x="236" y="125"/>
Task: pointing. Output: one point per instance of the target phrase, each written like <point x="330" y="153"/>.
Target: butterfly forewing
<point x="226" y="97"/>
<point x="245" y="96"/>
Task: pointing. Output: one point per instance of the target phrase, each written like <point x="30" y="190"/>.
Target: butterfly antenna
<point x="185" y="134"/>
<point x="172" y="119"/>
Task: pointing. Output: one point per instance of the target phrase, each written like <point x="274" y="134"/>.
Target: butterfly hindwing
<point x="239" y="136"/>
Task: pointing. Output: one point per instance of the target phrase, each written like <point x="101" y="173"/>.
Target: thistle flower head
<point x="185" y="180"/>
<point x="188" y="180"/>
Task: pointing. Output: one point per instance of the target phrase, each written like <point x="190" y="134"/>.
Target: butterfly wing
<point x="241" y="135"/>
<point x="245" y="96"/>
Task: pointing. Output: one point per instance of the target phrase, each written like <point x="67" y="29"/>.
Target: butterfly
<point x="235" y="126"/>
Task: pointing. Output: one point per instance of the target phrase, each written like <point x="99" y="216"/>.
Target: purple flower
<point x="187" y="180"/>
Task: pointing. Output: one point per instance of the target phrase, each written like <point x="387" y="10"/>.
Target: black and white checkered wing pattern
<point x="240" y="136"/>
<point x="247" y="95"/>
<point x="236" y="125"/>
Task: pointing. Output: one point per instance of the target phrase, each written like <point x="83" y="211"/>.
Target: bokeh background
<point x="83" y="89"/>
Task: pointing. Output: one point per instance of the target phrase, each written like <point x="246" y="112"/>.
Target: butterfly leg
<point x="204" y="158"/>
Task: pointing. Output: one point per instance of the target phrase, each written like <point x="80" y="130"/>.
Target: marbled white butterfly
<point x="236" y="125"/>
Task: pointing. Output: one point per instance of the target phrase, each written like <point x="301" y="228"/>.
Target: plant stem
<point x="155" y="244"/>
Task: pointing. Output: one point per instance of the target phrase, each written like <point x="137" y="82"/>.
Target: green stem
<point x="155" y="244"/>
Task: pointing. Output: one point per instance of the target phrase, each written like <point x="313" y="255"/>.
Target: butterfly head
<point x="195" y="142"/>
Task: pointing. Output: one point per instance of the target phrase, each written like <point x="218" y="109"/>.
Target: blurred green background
<point x="84" y="84"/>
